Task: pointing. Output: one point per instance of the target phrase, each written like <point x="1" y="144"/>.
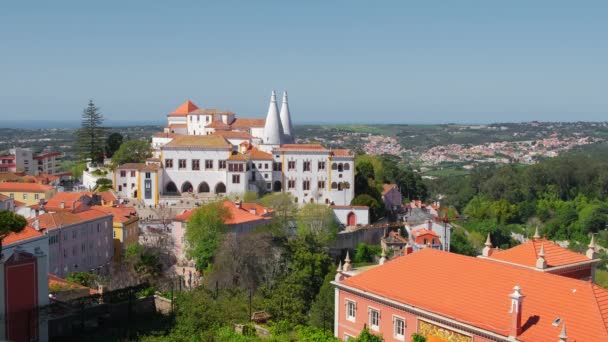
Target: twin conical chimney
<point x="273" y="129"/>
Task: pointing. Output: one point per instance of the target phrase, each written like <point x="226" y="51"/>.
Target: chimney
<point x="36" y="224"/>
<point x="62" y="205"/>
<point x="383" y="257"/>
<point x="563" y="337"/>
<point x="517" y="299"/>
<point x="591" y="248"/>
<point x="408" y="249"/>
<point x="339" y="272"/>
<point x="487" y="250"/>
<point x="347" y="266"/>
<point x="541" y="262"/>
<point x="536" y="234"/>
<point x="430" y="224"/>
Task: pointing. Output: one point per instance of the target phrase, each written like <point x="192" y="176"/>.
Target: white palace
<point x="208" y="153"/>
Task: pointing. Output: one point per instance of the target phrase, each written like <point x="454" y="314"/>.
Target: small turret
<point x="541" y="262"/>
<point x="487" y="250"/>
<point x="339" y="272"/>
<point x="563" y="337"/>
<point x="382" y="257"/>
<point x="347" y="266"/>
<point x="536" y="234"/>
<point x="591" y="254"/>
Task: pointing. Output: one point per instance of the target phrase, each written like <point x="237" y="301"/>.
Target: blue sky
<point x="341" y="61"/>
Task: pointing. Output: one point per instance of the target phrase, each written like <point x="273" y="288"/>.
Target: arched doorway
<point x="277" y="186"/>
<point x="203" y="187"/>
<point x="220" y="188"/>
<point x="351" y="219"/>
<point x="171" y="188"/>
<point x="135" y="194"/>
<point x="187" y="187"/>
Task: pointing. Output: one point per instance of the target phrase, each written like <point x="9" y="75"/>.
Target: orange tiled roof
<point x="260" y="210"/>
<point x="342" y="153"/>
<point x="65" y="218"/>
<point x="26" y="234"/>
<point x="55" y="280"/>
<point x="237" y="215"/>
<point x="526" y="254"/>
<point x="3" y="197"/>
<point x="69" y="199"/>
<point x="217" y="124"/>
<point x="184" y="109"/>
<point x="119" y="214"/>
<point x="243" y="123"/>
<point x="200" y="141"/>
<point x="233" y="134"/>
<point x="178" y="125"/>
<point x="423" y="232"/>
<point x="477" y="293"/>
<point x="24" y="187"/>
<point x="238" y="157"/>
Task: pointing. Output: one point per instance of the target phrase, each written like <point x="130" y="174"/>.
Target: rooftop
<point x="200" y="141"/>
<point x="526" y="254"/>
<point x="138" y="166"/>
<point x="244" y="123"/>
<point x="24" y="187"/>
<point x="184" y="109"/>
<point x="477" y="294"/>
<point x="26" y="234"/>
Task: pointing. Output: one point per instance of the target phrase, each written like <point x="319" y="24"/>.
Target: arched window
<point x="220" y="188"/>
<point x="340" y="186"/>
<point x="351" y="219"/>
<point x="334" y="166"/>
<point x="171" y="188"/>
<point x="203" y="187"/>
<point x="346" y="166"/>
<point x="187" y="187"/>
<point x="340" y="167"/>
<point x="327" y="201"/>
<point x="334" y="185"/>
<point x="276" y="187"/>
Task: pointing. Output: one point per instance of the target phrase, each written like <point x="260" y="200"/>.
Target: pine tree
<point x="91" y="134"/>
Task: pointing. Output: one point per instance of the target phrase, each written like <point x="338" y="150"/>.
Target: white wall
<point x="361" y="214"/>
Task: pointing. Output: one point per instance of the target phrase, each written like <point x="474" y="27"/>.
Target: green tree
<point x="144" y="261"/>
<point x="132" y="151"/>
<point x="91" y="134"/>
<point x="10" y="223"/>
<point x="459" y="243"/>
<point x="113" y="143"/>
<point x="103" y="184"/>
<point x="283" y="206"/>
<point x="321" y="310"/>
<point x="376" y="209"/>
<point x="366" y="253"/>
<point x="204" y="231"/>
<point x="418" y="338"/>
<point x="317" y="221"/>
<point x="83" y="278"/>
<point x="367" y="336"/>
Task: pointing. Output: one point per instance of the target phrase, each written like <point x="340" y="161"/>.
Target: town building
<point x="243" y="218"/>
<point x="24" y="160"/>
<point x="28" y="193"/>
<point x="450" y="297"/>
<point x="432" y="233"/>
<point x="391" y="196"/>
<point x="351" y="215"/>
<point x="79" y="240"/>
<point x="125" y="228"/>
<point x="209" y="153"/>
<point x="23" y="285"/>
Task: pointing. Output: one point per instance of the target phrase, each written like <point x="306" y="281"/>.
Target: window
<point x="306" y="185"/>
<point x="208" y="164"/>
<point x="169" y="163"/>
<point x="36" y="196"/>
<point x="123" y="173"/>
<point x="277" y="166"/>
<point x="266" y="166"/>
<point x="12" y="195"/>
<point x="236" y="179"/>
<point x="181" y="163"/>
<point x="24" y="196"/>
<point x="235" y="167"/>
<point x="74" y="234"/>
<point x="222" y="165"/>
<point x="291" y="165"/>
<point x="321" y="165"/>
<point x="374" y="319"/>
<point x="98" y="227"/>
<point x="291" y="184"/>
<point x="334" y="185"/>
<point x="148" y="175"/>
<point x="306" y="166"/>
<point x="334" y="166"/>
<point x="114" y="234"/>
<point x="351" y="310"/>
<point x="265" y="176"/>
<point x="132" y="173"/>
<point x="346" y="166"/>
<point x="321" y="185"/>
<point x="196" y="164"/>
<point x="399" y="328"/>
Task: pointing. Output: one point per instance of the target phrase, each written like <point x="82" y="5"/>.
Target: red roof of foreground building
<point x="26" y="234"/>
<point x="526" y="254"/>
<point x="184" y="109"/>
<point x="476" y="292"/>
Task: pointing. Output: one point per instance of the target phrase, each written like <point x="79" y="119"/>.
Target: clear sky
<point x="341" y="61"/>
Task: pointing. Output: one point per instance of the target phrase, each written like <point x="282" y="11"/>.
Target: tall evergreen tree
<point x="91" y="134"/>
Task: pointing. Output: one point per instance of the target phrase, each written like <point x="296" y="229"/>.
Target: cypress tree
<point x="91" y="134"/>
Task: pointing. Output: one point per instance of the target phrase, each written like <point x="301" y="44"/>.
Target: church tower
<point x="286" y="122"/>
<point x="273" y="129"/>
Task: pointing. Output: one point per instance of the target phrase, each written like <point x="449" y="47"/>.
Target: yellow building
<point x="125" y="228"/>
<point x="28" y="193"/>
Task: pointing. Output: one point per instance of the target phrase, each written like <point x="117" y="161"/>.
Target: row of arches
<point x="340" y="186"/>
<point x="340" y="167"/>
<point x="171" y="188"/>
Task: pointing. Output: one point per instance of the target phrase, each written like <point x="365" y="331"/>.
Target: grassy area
<point x="601" y="278"/>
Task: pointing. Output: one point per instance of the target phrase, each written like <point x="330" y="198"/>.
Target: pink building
<point x="79" y="240"/>
<point x="450" y="297"/>
<point x="244" y="217"/>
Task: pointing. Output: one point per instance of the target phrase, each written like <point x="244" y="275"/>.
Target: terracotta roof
<point x="46" y="155"/>
<point x="70" y="199"/>
<point x="3" y="197"/>
<point x="342" y="153"/>
<point x="526" y="254"/>
<point x="302" y="148"/>
<point x="138" y="166"/>
<point x="65" y="218"/>
<point x="255" y="154"/>
<point x="200" y="141"/>
<point x="388" y="187"/>
<point x="238" y="156"/>
<point x="243" y="123"/>
<point x="233" y="134"/>
<point x="26" y="234"/>
<point x="119" y="214"/>
<point x="477" y="294"/>
<point x="217" y="124"/>
<point x="24" y="187"/>
<point x="19" y="203"/>
<point x="211" y="111"/>
<point x="237" y="215"/>
<point x="66" y="285"/>
<point x="422" y="232"/>
<point x="184" y="109"/>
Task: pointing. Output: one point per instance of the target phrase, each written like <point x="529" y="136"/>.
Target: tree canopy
<point x="91" y="134"/>
<point x="132" y="151"/>
<point x="10" y="222"/>
<point x="113" y="144"/>
<point x="204" y="231"/>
